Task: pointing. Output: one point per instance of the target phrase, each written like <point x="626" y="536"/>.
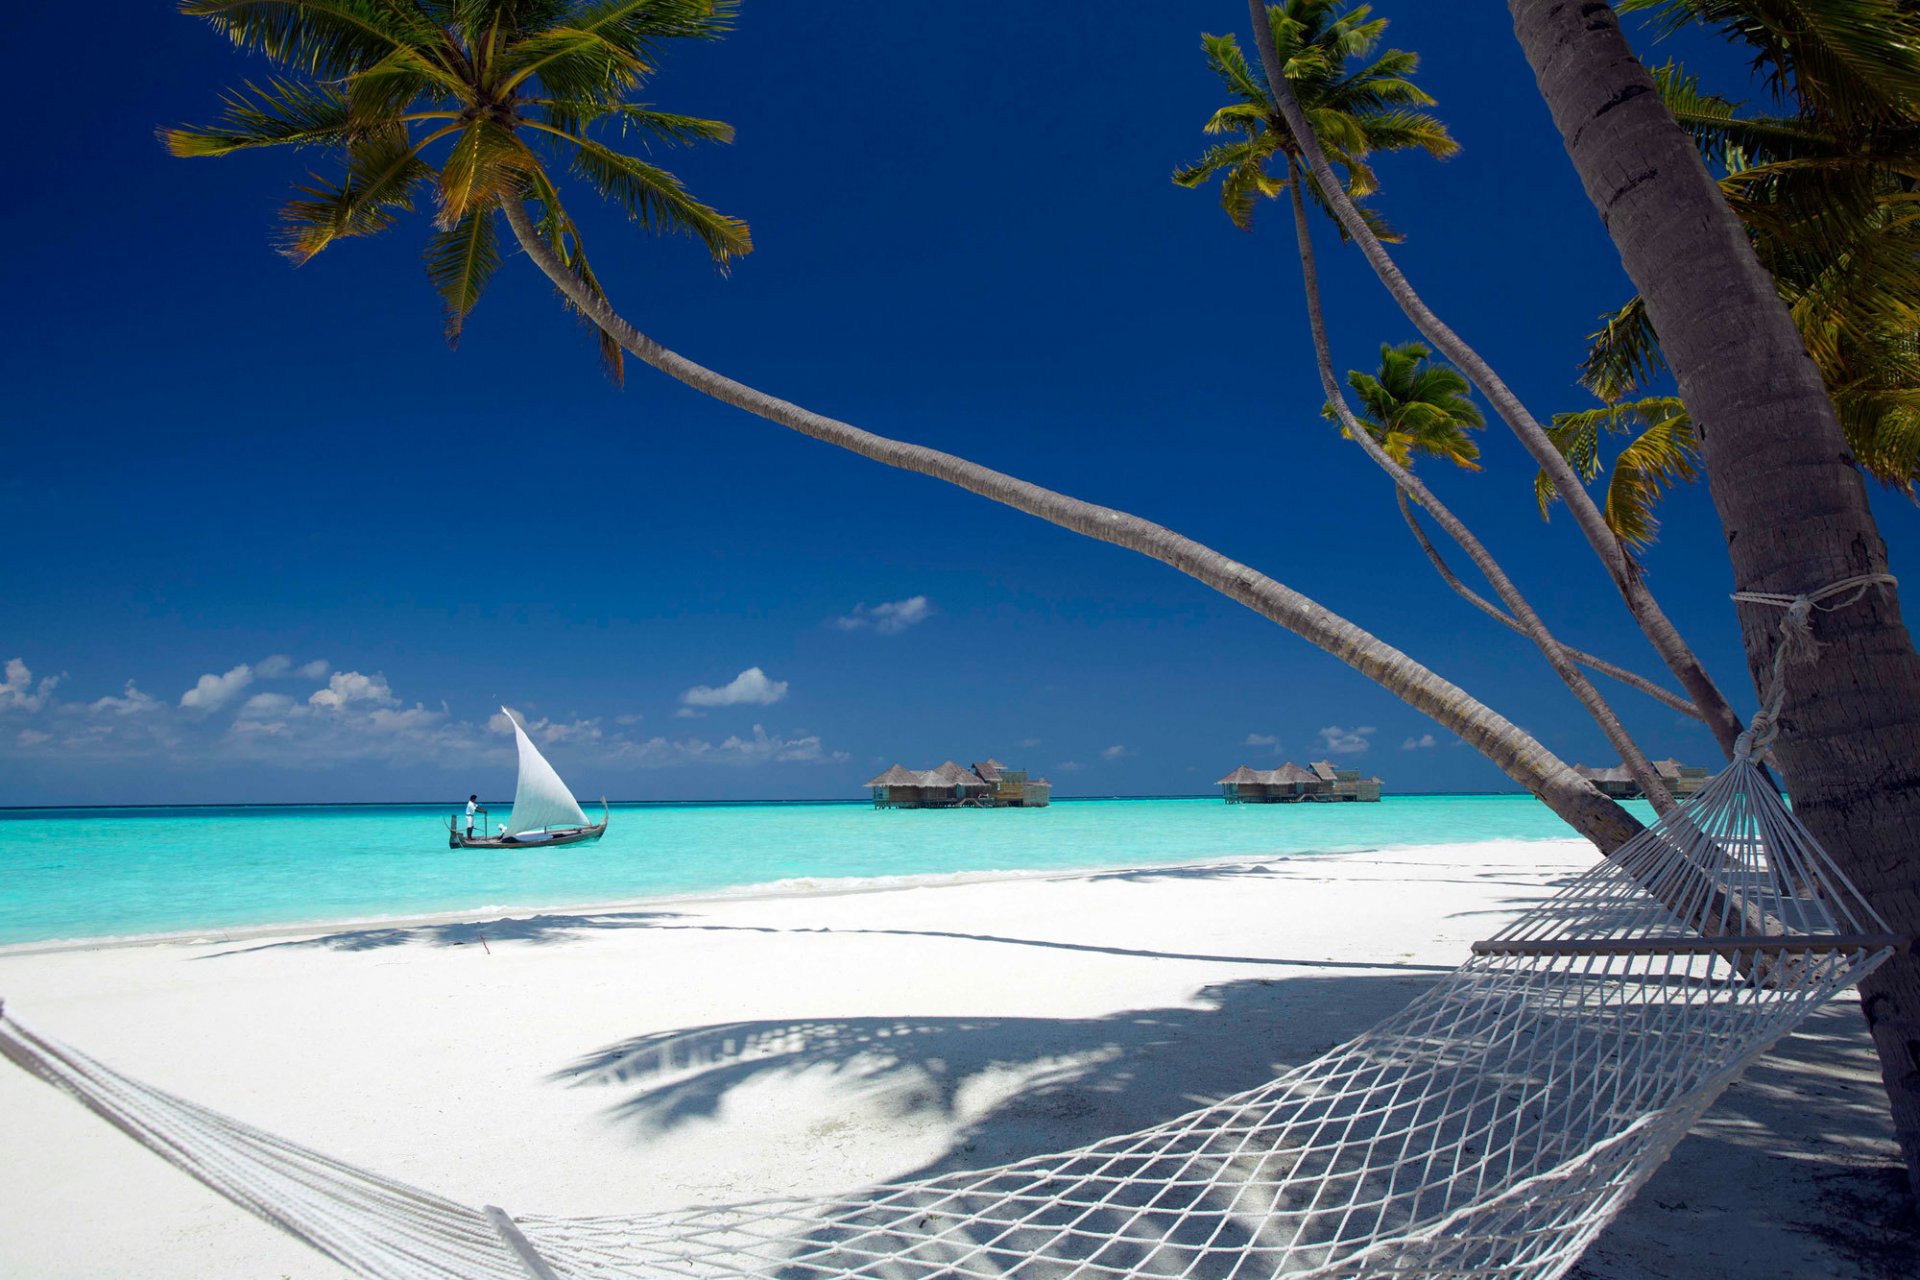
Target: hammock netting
<point x="1488" y="1130"/>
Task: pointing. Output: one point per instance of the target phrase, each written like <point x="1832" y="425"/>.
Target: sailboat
<point x="544" y="811"/>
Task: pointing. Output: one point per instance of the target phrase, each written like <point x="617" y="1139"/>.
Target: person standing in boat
<point x="473" y="805"/>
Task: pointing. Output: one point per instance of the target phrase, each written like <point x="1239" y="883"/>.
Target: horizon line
<point x="434" y="804"/>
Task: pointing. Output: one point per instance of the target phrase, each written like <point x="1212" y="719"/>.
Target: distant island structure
<point x="1290" y="784"/>
<point x="1681" y="779"/>
<point x="985" y="785"/>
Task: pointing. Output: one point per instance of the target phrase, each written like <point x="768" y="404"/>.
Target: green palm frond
<point x="409" y="96"/>
<point x="325" y="39"/>
<point x="1661" y="453"/>
<point x="384" y="175"/>
<point x="282" y="113"/>
<point x="486" y="164"/>
<point x="1623" y="354"/>
<point x="657" y="201"/>
<point x="1852" y="61"/>
<point x="460" y="262"/>
<point x="609" y="47"/>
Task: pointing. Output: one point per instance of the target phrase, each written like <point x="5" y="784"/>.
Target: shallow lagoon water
<point x="74" y="873"/>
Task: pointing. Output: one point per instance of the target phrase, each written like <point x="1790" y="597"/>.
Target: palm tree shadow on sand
<point x="1083" y="1078"/>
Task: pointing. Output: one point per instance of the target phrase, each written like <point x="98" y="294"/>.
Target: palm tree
<point x="1306" y="45"/>
<point x="1826" y="196"/>
<point x="1416" y="405"/>
<point x="1792" y="504"/>
<point x="1356" y="224"/>
<point x="1355" y="111"/>
<point x="479" y="103"/>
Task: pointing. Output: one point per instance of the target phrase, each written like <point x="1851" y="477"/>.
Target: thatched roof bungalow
<point x="1290" y="783"/>
<point x="988" y="785"/>
<point x="1345" y="784"/>
<point x="1681" y="779"/>
<point x="1284" y="785"/>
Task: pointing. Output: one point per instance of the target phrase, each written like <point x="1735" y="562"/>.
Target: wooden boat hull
<point x="459" y="839"/>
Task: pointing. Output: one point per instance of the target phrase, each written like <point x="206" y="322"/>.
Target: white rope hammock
<point x="1488" y="1130"/>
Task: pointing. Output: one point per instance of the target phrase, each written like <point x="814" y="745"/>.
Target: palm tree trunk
<point x="1530" y="622"/>
<point x="1517" y="754"/>
<point x="1626" y="578"/>
<point x="1633" y="680"/>
<point x="1790" y="498"/>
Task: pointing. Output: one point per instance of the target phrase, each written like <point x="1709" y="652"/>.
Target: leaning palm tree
<point x="1317" y="159"/>
<point x="1354" y="111"/>
<point x="486" y="107"/>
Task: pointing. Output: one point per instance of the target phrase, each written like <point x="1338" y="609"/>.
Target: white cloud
<point x="630" y="719"/>
<point x="688" y="713"/>
<point x="1116" y="752"/>
<point x="1420" y="743"/>
<point x="750" y="686"/>
<point x="348" y="687"/>
<point x="1262" y="740"/>
<point x="131" y="702"/>
<point x="263" y="705"/>
<point x="20" y="692"/>
<point x="765" y="746"/>
<point x="1029" y="742"/>
<point x="889" y="619"/>
<point x="1346" y="742"/>
<point x="1068" y="766"/>
<point x="212" y="692"/>
<point x="280" y="665"/>
<point x="359" y="717"/>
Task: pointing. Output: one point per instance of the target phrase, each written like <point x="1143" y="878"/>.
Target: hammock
<point x="1489" y="1130"/>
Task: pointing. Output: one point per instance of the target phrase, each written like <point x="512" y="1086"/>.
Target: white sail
<point x="540" y="799"/>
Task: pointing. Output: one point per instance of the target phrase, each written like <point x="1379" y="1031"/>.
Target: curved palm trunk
<point x="1632" y="680"/>
<point x="1514" y="751"/>
<point x="1790" y="498"/>
<point x="1530" y="623"/>
<point x="1640" y="602"/>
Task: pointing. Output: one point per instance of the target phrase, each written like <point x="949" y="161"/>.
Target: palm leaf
<point x="326" y="39"/>
<point x="460" y="262"/>
<point x="283" y="113"/>
<point x="384" y="172"/>
<point x="657" y="201"/>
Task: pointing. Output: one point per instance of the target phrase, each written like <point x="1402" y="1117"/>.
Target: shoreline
<point x="772" y="890"/>
<point x="626" y="1059"/>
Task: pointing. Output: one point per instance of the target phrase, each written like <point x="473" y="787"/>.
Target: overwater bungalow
<point x="1290" y="784"/>
<point x="1345" y="784"/>
<point x="987" y="785"/>
<point x="1681" y="779"/>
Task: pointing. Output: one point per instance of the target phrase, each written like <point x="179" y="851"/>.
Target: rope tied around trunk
<point x="1797" y="645"/>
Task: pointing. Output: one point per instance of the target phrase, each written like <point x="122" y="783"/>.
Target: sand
<point x="653" y="1055"/>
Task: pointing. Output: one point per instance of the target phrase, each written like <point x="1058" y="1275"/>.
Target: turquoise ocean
<point x="91" y="873"/>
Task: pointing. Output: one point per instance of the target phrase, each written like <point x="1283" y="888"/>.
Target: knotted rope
<point x="1797" y="645"/>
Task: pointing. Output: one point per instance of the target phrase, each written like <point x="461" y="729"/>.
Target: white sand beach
<point x="655" y="1055"/>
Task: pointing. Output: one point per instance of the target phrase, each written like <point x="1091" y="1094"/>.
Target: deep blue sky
<point x="965" y="237"/>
